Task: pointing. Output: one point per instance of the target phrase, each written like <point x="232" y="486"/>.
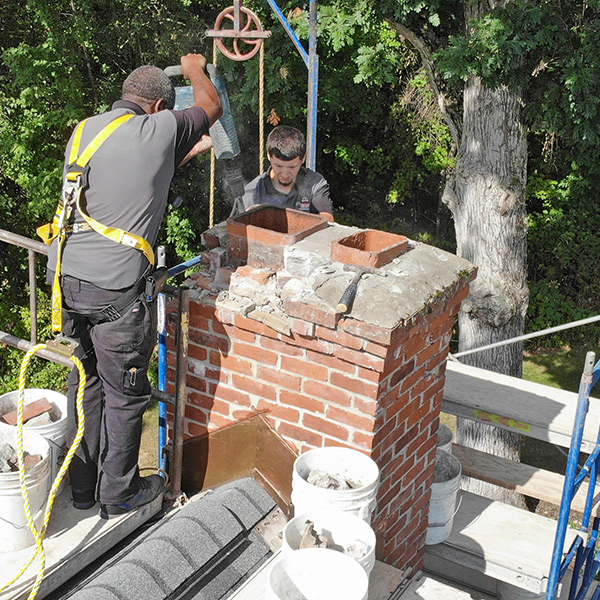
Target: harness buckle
<point x="62" y="345"/>
<point x="111" y="313"/>
<point x="78" y="175"/>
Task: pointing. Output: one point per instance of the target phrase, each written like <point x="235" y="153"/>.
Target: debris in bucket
<point x="9" y="463"/>
<point x="330" y="482"/>
<point x="311" y="539"/>
<point x="40" y="411"/>
<point x="445" y="468"/>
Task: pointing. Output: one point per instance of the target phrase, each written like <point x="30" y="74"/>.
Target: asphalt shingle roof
<point x="202" y="552"/>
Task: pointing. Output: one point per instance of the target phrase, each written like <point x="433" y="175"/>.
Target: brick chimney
<point x="265" y="336"/>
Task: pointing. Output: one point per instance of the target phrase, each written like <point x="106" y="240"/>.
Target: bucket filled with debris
<point x="444" y="490"/>
<point x="317" y="574"/>
<point x="45" y="412"/>
<point x="334" y="530"/>
<point x="14" y="529"/>
<point x="335" y="478"/>
<point x="444" y="439"/>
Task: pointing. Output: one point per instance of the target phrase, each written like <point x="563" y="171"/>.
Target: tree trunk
<point x="486" y="195"/>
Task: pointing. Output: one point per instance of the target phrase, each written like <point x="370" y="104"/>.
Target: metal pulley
<point x="244" y="38"/>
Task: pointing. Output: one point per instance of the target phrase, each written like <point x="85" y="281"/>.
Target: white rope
<point x="527" y="336"/>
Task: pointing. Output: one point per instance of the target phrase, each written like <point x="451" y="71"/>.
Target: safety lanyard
<point x="77" y="176"/>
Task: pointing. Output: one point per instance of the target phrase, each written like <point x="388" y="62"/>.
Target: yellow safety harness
<point x="76" y="181"/>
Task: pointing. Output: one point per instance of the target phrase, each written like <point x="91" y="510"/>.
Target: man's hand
<point x="204" y="145"/>
<point x="191" y="63"/>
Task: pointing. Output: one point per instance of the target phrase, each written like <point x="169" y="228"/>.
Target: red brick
<point x="218" y="421"/>
<point x="311" y="343"/>
<point x="260" y="275"/>
<point x="304" y="368"/>
<point x="235" y="333"/>
<point x="198" y="399"/>
<point x="303" y="328"/>
<point x="227" y="362"/>
<point x="340" y="337"/>
<point x="220" y="407"/>
<point x="353" y="385"/>
<point x="196" y="429"/>
<point x="313" y="312"/>
<point x="197" y="352"/>
<point x="285" y="380"/>
<point x="295" y="433"/>
<point x="366" y="406"/>
<point x="301" y="401"/>
<point x="255" y="387"/>
<point x="254" y="326"/>
<point x="346" y="417"/>
<point x="408" y="383"/>
<point x="363" y="440"/>
<point x="428" y="352"/>
<point x="327" y="392"/>
<point x="281" y="347"/>
<point x="279" y="412"/>
<point x="367" y="361"/>
<point x="196" y="414"/>
<point x="329" y="361"/>
<point x="368" y="375"/>
<point x="234" y="396"/>
<point x="206" y="308"/>
<point x="199" y="322"/>
<point x="210" y="341"/>
<point x="195" y="383"/>
<point x="377" y="349"/>
<point x="255" y="353"/>
<point x="366" y="330"/>
<point x="325" y="427"/>
<point x="403" y="372"/>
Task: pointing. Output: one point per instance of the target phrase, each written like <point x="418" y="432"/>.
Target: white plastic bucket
<point x="55" y="433"/>
<point x="345" y="463"/>
<point x="442" y="506"/>
<point x="14" y="529"/>
<point x="349" y="533"/>
<point x="444" y="439"/>
<point x="317" y="574"/>
<point x="506" y="591"/>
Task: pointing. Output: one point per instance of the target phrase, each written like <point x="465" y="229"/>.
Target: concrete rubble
<point x="386" y="296"/>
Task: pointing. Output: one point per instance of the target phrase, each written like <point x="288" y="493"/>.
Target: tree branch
<point x="425" y="53"/>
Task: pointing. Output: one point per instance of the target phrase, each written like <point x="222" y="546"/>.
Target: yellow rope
<point x="39" y="535"/>
<point x="261" y="109"/>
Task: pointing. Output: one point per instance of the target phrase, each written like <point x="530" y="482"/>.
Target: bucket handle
<point x="451" y="517"/>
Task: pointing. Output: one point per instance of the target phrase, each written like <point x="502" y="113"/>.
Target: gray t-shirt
<point x="310" y="193"/>
<point x="129" y="180"/>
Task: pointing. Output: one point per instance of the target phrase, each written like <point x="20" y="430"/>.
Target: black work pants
<point x="115" y="355"/>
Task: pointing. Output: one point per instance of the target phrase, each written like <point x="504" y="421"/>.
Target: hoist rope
<point x="39" y="535"/>
<point x="213" y="160"/>
<point x="261" y="110"/>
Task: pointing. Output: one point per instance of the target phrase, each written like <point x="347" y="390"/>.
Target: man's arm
<point x="205" y="94"/>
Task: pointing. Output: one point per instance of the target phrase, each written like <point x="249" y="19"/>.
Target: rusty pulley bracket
<point x="244" y="38"/>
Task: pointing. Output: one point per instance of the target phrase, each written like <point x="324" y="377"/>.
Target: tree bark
<point x="486" y="195"/>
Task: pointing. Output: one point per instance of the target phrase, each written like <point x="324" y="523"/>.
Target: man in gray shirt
<point x="125" y="187"/>
<point x="287" y="183"/>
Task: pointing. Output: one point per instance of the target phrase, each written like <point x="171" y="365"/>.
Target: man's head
<point x="149" y="87"/>
<point x="286" y="149"/>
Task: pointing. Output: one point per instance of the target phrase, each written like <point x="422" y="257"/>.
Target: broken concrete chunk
<point x="9" y="463"/>
<point x="330" y="481"/>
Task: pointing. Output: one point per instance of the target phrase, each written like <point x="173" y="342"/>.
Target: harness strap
<point x="77" y="171"/>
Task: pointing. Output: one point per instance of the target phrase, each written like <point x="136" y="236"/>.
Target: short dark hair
<point x="149" y="84"/>
<point x="286" y="143"/>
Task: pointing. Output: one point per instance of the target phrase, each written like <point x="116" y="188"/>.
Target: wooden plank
<point x="75" y="539"/>
<point x="525" y="407"/>
<point x="501" y="541"/>
<point x="429" y="587"/>
<point x="525" y="479"/>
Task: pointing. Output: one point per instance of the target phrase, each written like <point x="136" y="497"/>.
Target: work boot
<point x="150" y="488"/>
<point x="83" y="499"/>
